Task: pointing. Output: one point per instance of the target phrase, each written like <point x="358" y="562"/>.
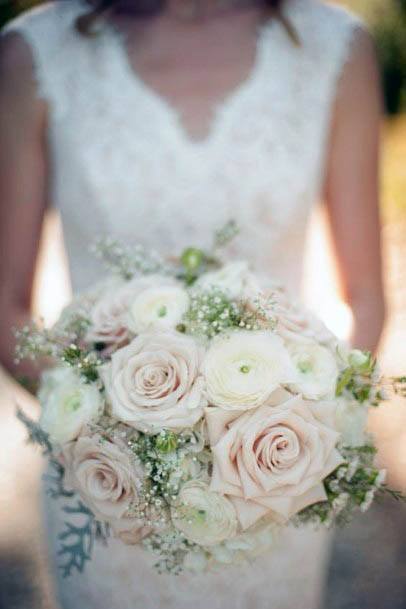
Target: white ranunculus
<point x="247" y="545"/>
<point x="204" y="517"/>
<point x="67" y="404"/>
<point x="235" y="279"/>
<point x="158" y="308"/>
<point x="316" y="368"/>
<point x="351" y="422"/>
<point x="155" y="383"/>
<point x="243" y="369"/>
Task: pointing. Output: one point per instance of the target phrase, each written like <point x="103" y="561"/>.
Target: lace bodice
<point x="123" y="164"/>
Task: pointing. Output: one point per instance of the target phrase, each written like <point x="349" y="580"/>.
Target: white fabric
<point x="122" y="164"/>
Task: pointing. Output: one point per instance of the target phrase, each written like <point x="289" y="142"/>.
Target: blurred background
<point x="368" y="567"/>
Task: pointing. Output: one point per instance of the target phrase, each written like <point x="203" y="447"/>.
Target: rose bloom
<point x="243" y="369"/>
<point x="294" y="322"/>
<point x="155" y="382"/>
<point x="67" y="404"/>
<point x="158" y="308"/>
<point x="106" y="477"/>
<point x="317" y="370"/>
<point x="109" y="316"/>
<point x="204" y="517"/>
<point x="271" y="461"/>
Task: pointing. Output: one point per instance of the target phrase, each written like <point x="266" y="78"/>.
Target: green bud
<point x="166" y="443"/>
<point x="192" y="259"/>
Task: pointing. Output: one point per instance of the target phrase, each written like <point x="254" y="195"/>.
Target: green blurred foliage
<point x="387" y="22"/>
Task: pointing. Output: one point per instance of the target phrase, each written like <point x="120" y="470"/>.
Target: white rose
<point x="158" y="308"/>
<point x="316" y="368"/>
<point x="67" y="404"/>
<point x="351" y="422"/>
<point x="244" y="368"/>
<point x="204" y="517"/>
<point x="235" y="279"/>
<point x="155" y="382"/>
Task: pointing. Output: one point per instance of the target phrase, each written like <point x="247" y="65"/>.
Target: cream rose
<point x="155" y="382"/>
<point x="297" y="324"/>
<point x="204" y="517"/>
<point x="244" y="368"/>
<point x="107" y="478"/>
<point x="109" y="315"/>
<point x="316" y="368"/>
<point x="271" y="461"/>
<point x="67" y="404"/>
<point x="158" y="308"/>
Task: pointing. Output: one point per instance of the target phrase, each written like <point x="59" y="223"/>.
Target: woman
<point x="157" y="124"/>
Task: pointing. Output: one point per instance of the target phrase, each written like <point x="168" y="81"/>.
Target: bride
<point x="156" y="123"/>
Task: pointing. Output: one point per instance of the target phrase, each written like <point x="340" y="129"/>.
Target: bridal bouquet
<point x="196" y="409"/>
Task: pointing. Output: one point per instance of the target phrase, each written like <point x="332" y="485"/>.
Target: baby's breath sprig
<point x="170" y="547"/>
<point x="258" y="314"/>
<point x="33" y="342"/>
<point x="129" y="261"/>
<point x="85" y="362"/>
<point x="351" y="487"/>
<point x="210" y="312"/>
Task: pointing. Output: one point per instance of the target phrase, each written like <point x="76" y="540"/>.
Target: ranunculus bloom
<point x="234" y="279"/>
<point x="110" y="315"/>
<point x="243" y="369"/>
<point x="317" y="370"/>
<point x="204" y="517"/>
<point x="67" y="404"/>
<point x="158" y="308"/>
<point x="108" y="479"/>
<point x="155" y="382"/>
<point x="271" y="460"/>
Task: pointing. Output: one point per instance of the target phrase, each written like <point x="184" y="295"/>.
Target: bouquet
<point x="195" y="408"/>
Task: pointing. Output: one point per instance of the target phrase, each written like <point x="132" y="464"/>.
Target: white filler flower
<point x="158" y="308"/>
<point x="204" y="517"/>
<point x="316" y="369"/>
<point x="67" y="404"/>
<point x="244" y="368"/>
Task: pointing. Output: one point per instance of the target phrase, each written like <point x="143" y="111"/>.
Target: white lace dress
<point x="123" y="164"/>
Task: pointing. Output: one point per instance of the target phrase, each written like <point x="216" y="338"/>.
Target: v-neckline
<point x="218" y="108"/>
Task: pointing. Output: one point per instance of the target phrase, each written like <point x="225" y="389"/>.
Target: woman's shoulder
<point x="323" y="22"/>
<point x="50" y="19"/>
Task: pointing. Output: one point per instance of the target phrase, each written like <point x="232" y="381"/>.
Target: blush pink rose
<point x="155" y="382"/>
<point x="272" y="460"/>
<point x="108" y="479"/>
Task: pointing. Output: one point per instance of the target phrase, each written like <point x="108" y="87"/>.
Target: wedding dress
<point x="123" y="164"/>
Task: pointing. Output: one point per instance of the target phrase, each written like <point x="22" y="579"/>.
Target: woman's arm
<point x="22" y="188"/>
<point x="352" y="191"/>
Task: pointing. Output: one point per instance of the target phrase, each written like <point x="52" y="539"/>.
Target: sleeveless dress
<point x="123" y="164"/>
